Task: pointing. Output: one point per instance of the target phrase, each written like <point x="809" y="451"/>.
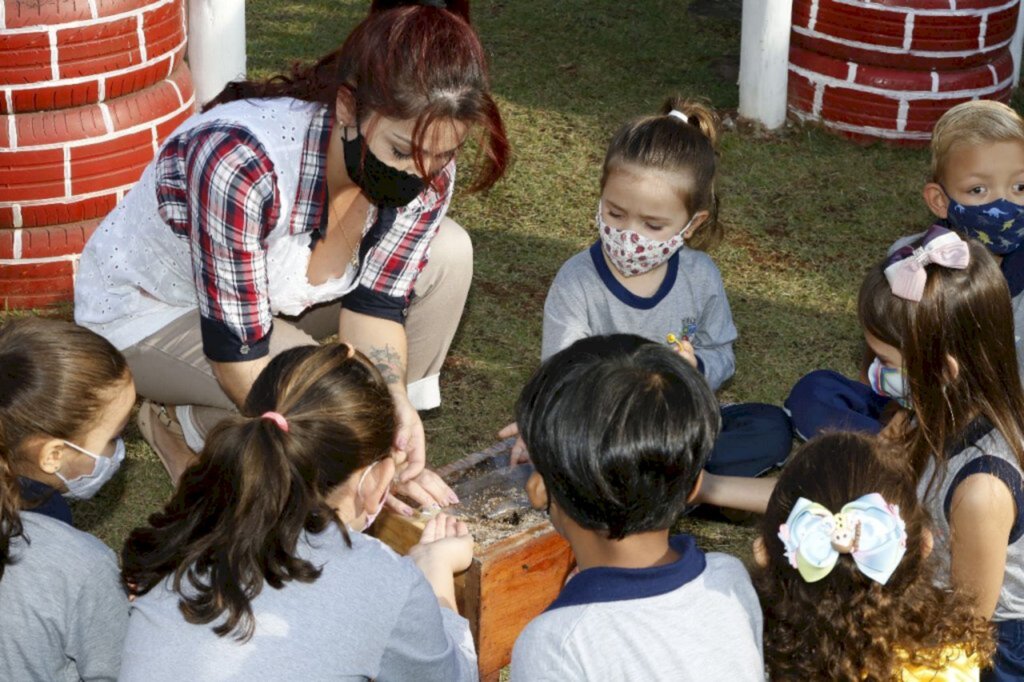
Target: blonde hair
<point x="668" y="143"/>
<point x="976" y="122"/>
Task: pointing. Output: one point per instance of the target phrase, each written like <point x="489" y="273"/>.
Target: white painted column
<point x="216" y="45"/>
<point x="764" y="60"/>
<point x="1017" y="44"/>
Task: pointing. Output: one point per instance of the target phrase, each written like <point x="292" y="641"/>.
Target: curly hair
<point x="847" y="626"/>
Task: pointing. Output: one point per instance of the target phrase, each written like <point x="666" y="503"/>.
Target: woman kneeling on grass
<point x="278" y="499"/>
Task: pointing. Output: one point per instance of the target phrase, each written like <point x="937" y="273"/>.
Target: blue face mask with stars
<point x="999" y="224"/>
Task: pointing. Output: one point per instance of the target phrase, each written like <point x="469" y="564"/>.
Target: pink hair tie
<point x="277" y="418"/>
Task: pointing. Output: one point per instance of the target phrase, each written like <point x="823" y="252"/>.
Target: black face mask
<point x="385" y="186"/>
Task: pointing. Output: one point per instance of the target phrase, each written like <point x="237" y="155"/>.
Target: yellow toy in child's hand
<point x="683" y="347"/>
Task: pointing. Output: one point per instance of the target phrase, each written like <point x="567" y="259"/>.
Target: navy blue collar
<point x="40" y="498"/>
<point x="605" y="583"/>
<point x="625" y="295"/>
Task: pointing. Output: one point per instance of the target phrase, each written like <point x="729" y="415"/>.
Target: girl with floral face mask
<point x="65" y="396"/>
<point x="647" y="272"/>
<point x="259" y="557"/>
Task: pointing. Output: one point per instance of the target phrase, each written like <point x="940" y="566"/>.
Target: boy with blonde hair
<point x="977" y="189"/>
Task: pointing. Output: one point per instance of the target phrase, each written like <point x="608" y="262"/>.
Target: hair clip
<point x="868" y="529"/>
<point x="680" y="115"/>
<point x="905" y="269"/>
<point x="277" y="418"/>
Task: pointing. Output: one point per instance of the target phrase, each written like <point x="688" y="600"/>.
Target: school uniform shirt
<point x="981" y="449"/>
<point x="695" y="619"/>
<point x="370" y="615"/>
<point x="224" y="220"/>
<point x="585" y="300"/>
<point x="63" y="612"/>
<point x="39" y="498"/>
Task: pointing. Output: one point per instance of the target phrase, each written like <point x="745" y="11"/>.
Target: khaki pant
<point x="170" y="367"/>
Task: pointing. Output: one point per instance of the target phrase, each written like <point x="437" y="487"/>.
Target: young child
<point x="976" y="189"/>
<point x="648" y="273"/>
<point x="257" y="568"/>
<point x="619" y="430"/>
<point x="845" y="577"/>
<point x="937" y="317"/>
<point x="65" y="396"/>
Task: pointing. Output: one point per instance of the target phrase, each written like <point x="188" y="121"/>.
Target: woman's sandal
<point x="153" y="416"/>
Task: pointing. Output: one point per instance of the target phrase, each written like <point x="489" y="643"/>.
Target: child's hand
<point x="685" y="349"/>
<point x="519" y="455"/>
<point x="445" y="548"/>
<point x="445" y="545"/>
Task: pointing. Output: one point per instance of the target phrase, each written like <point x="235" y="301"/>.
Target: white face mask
<point x="632" y="253"/>
<point x="104" y="468"/>
<point x="371" y="517"/>
<point x="889" y="382"/>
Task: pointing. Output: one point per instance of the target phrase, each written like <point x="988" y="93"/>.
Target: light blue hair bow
<point x="869" y="529"/>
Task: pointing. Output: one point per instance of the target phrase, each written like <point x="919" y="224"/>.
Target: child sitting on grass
<point x="648" y="272"/>
<point x="619" y="430"/>
<point x="65" y="396"/>
<point x="846" y="577"/>
<point x="976" y="189"/>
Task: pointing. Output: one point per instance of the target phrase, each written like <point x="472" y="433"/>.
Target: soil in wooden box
<point x="520" y="563"/>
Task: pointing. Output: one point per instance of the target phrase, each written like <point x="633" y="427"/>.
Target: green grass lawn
<point x="805" y="213"/>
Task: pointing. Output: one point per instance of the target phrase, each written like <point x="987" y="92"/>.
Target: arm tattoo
<point x="388" y="361"/>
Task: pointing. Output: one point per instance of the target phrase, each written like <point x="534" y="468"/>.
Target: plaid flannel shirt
<point x="217" y="188"/>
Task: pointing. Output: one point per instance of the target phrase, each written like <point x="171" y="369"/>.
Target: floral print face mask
<point x="631" y="252"/>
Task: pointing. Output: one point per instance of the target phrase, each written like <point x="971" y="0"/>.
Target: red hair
<point x="404" y="61"/>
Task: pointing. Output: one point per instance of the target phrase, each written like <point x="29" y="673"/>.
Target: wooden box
<point x="519" y="562"/>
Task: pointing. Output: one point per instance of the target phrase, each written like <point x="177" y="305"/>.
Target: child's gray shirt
<point x="370" y="615"/>
<point x="63" y="612"/>
<point x="585" y="300"/>
<point x="693" y="620"/>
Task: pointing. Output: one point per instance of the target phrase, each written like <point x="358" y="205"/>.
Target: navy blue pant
<point x="827" y="401"/>
<point x="755" y="438"/>
<point x="1008" y="663"/>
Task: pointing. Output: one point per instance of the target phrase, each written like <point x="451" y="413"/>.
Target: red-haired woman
<point x="296" y="208"/>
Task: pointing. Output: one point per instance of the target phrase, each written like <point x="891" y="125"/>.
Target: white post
<point x="216" y="45"/>
<point x="764" y="60"/>
<point x="1017" y="44"/>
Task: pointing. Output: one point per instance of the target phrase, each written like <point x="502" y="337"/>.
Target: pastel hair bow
<point x="905" y="268"/>
<point x="869" y="529"/>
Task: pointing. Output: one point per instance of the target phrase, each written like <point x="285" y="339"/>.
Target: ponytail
<point x="237" y="516"/>
<point x="699" y="115"/>
<point x="681" y="139"/>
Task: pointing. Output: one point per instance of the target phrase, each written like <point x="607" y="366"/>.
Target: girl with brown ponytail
<point x="297" y="208"/>
<point x="257" y="567"/>
<point x="648" y="272"/>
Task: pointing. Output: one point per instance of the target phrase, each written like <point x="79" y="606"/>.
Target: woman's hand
<point x="410" y="446"/>
<point x="519" y="455"/>
<point x="444" y="549"/>
<point x="427" y="490"/>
